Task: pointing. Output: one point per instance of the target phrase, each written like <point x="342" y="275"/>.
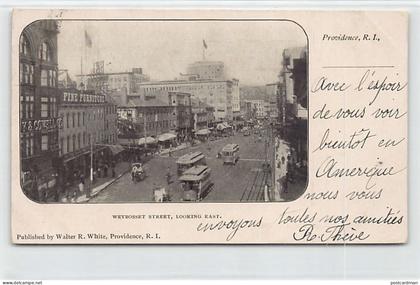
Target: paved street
<point x="232" y="183"/>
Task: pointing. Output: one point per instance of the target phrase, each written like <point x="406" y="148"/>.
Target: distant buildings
<point x="207" y="70"/>
<point x="256" y="109"/>
<point x="39" y="100"/>
<point x="216" y="93"/>
<point x="103" y="82"/>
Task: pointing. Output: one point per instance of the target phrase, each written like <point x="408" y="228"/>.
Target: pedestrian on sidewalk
<point x="99" y="172"/>
<point x="81" y="184"/>
<point x="106" y="170"/>
<point x="113" y="168"/>
<point x="168" y="176"/>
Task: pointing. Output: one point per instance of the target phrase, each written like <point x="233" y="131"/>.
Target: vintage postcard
<point x="209" y="126"/>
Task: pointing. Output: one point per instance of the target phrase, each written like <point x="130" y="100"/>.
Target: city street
<point x="232" y="183"/>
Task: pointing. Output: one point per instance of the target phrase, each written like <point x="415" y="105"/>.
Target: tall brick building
<point x="39" y="100"/>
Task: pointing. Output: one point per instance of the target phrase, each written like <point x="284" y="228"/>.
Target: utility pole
<point x="91" y="160"/>
<point x="144" y="129"/>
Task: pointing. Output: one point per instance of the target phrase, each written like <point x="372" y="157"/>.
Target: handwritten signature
<point x="336" y="233"/>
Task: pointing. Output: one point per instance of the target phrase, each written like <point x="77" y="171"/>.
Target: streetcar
<point x="189" y="160"/>
<point x="196" y="183"/>
<point x="230" y="153"/>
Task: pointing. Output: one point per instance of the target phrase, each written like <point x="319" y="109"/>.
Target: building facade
<point x="141" y="118"/>
<point x="39" y="118"/>
<point x="103" y="82"/>
<point x="182" y="113"/>
<point x="217" y="94"/>
<point x="292" y="103"/>
<point x="207" y="70"/>
<point x="236" y="99"/>
<point x="203" y="115"/>
<point x="89" y="124"/>
<point x="257" y="109"/>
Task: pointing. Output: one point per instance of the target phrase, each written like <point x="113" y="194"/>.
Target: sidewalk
<point x="282" y="151"/>
<point x="100" y="184"/>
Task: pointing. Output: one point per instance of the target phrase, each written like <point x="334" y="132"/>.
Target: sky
<point x="251" y="51"/>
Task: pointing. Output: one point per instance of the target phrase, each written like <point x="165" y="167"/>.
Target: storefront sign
<point x="80" y="97"/>
<point x="41" y="125"/>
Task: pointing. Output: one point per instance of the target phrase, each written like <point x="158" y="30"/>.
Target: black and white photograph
<point x="137" y="111"/>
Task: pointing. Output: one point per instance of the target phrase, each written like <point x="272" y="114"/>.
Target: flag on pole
<point x="204" y="44"/>
<point x="88" y="40"/>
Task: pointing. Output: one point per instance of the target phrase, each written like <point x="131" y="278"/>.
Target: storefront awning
<point x="148" y="140"/>
<point x="203" y="132"/>
<point x="223" y="126"/>
<point x="116" y="149"/>
<point x="166" y="137"/>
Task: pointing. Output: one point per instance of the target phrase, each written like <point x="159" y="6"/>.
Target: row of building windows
<point x="186" y="88"/>
<point x="78" y="119"/>
<point x="81" y="140"/>
<point x="48" y="141"/>
<point x="26" y="75"/>
<point x="48" y="107"/>
<point x="44" y="50"/>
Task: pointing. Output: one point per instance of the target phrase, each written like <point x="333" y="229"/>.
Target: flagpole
<point x="81" y="58"/>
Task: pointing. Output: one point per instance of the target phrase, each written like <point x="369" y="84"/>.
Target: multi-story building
<point x="293" y="75"/>
<point x="103" y="82"/>
<point x="258" y="109"/>
<point x="209" y="70"/>
<point x="236" y="100"/>
<point x="142" y="118"/>
<point x="215" y="93"/>
<point x="39" y="99"/>
<point x="89" y="124"/>
<point x="292" y="103"/>
<point x="181" y="109"/>
<point x="203" y="115"/>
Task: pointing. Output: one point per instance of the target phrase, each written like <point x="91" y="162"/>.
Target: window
<point x="44" y="77"/>
<point x="52" y="78"/>
<point x="44" y="142"/>
<point x="78" y="119"/>
<point x="23" y="45"/>
<point x="27" y="145"/>
<point x="44" y="107"/>
<point x="74" y="142"/>
<point x="26" y="73"/>
<point x="67" y="120"/>
<point x="48" y="77"/>
<point x="78" y="141"/>
<point x="73" y="117"/>
<point x="44" y="52"/>
<point x="84" y="139"/>
<point x="54" y="110"/>
<point x="26" y="106"/>
<point x="68" y="144"/>
<point x="61" y="146"/>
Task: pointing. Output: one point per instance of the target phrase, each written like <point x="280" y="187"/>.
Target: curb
<point x="99" y="191"/>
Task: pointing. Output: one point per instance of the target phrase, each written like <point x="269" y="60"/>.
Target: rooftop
<point x="190" y="157"/>
<point x="141" y="102"/>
